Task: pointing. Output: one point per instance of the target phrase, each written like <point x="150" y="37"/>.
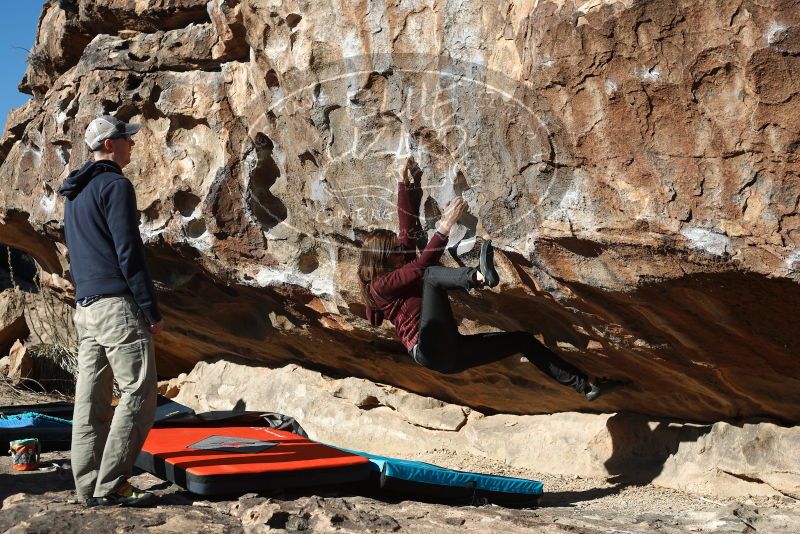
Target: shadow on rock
<point x="569" y="498"/>
<point x="38" y="482"/>
<point x="452" y="497"/>
<point x="641" y="446"/>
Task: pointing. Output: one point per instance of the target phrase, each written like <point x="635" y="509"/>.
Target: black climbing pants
<point x="441" y="348"/>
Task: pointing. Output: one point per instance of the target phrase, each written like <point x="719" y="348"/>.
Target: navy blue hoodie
<point x="106" y="254"/>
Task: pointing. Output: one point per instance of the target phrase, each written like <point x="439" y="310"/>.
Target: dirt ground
<point x="43" y="502"/>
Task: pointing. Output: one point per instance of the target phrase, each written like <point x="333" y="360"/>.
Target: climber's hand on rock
<point x="452" y="213"/>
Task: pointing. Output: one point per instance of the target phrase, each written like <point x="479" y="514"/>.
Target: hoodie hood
<point x="78" y="179"/>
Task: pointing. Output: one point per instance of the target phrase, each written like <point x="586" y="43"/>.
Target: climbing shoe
<point x="490" y="276"/>
<point x="127" y="495"/>
<point x="602" y="387"/>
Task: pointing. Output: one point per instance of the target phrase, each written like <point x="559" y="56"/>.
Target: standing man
<point x="115" y="315"/>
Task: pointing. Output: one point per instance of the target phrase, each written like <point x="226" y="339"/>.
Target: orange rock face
<point x="634" y="162"/>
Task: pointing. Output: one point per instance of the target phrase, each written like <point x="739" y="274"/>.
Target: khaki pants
<point x="114" y="343"/>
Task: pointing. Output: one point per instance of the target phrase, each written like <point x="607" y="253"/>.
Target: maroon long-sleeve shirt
<point x="398" y="294"/>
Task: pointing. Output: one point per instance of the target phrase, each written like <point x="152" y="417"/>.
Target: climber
<point x="412" y="291"/>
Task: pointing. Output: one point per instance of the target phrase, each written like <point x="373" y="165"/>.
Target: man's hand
<point x="452" y="213"/>
<point x="156" y="329"/>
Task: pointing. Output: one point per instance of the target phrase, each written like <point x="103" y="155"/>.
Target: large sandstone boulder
<point x="635" y="163"/>
<point x="719" y="459"/>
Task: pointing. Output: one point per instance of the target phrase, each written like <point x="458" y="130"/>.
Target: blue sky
<point x="17" y="32"/>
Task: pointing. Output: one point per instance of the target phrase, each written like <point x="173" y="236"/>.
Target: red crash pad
<point x="218" y="460"/>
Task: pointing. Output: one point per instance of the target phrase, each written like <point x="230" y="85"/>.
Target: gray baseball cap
<point x="105" y="127"/>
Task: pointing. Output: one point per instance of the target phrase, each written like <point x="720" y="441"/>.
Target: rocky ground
<point x="43" y="501"/>
<point x="635" y="164"/>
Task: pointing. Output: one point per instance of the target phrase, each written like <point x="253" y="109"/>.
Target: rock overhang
<point x="635" y="164"/>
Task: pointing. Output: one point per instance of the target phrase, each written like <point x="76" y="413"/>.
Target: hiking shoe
<point x="127" y="495"/>
<point x="603" y="387"/>
<point x="490" y="276"/>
